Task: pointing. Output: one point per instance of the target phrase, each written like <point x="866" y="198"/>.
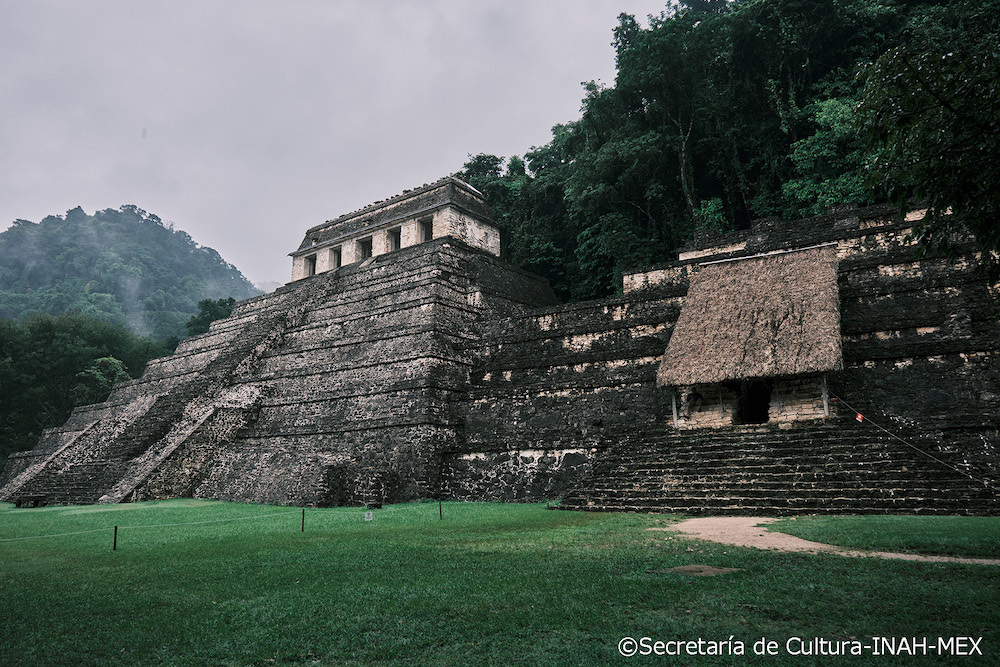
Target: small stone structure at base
<point x="406" y="360"/>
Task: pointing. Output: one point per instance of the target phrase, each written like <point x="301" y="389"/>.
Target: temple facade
<point x="450" y="208"/>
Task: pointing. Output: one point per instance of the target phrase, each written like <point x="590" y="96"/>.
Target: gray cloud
<point x="247" y="121"/>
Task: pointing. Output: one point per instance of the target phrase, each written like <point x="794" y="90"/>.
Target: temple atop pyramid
<point x="449" y="207"/>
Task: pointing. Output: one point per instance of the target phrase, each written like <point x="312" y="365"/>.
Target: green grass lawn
<point x="488" y="584"/>
<point x="970" y="536"/>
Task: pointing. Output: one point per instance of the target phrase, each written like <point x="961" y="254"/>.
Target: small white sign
<point x="368" y="516"/>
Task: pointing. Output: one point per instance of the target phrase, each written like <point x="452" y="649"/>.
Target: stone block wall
<point x="922" y="346"/>
<point x="551" y="388"/>
<point x="796" y="399"/>
<point x="439" y="370"/>
<point x="336" y="389"/>
<point x="717" y="408"/>
<point x="454" y="222"/>
<point x="792" y="400"/>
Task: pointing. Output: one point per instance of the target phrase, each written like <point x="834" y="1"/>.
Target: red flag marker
<point x="860" y="417"/>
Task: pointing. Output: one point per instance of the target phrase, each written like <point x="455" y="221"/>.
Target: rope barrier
<point x="197" y="523"/>
<point x="863" y="419"/>
<point x="152" y="525"/>
<point x="392" y="510"/>
<point x="35" y="537"/>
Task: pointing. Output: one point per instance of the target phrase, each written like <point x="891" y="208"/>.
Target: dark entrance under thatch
<point x="754" y="402"/>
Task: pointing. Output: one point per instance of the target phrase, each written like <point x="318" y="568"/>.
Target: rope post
<point x="114" y="544"/>
<point x="303" y="519"/>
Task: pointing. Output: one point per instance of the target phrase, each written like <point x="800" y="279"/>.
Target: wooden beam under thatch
<point x="770" y="316"/>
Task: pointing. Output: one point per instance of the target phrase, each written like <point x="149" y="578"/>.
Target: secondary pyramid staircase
<point x="837" y="467"/>
<point x="110" y="457"/>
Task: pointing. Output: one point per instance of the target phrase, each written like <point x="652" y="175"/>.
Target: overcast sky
<point x="245" y="122"/>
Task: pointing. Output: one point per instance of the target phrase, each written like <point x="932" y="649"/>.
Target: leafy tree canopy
<point x="50" y="364"/>
<point x="722" y="112"/>
<point x="208" y="312"/>
<point x="930" y="112"/>
<point x="126" y="267"/>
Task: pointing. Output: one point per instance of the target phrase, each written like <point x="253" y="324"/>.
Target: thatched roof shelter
<point x="767" y="316"/>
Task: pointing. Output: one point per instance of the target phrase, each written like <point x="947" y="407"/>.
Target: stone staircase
<point x="836" y="467"/>
<point x="13" y="487"/>
<point x="77" y="484"/>
<point x="76" y="471"/>
<point x="107" y="461"/>
<point x="194" y="415"/>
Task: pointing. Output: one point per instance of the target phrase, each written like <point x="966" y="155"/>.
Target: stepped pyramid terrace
<point x="407" y="360"/>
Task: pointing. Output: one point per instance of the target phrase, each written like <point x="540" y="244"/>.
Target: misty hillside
<point x="126" y="267"/>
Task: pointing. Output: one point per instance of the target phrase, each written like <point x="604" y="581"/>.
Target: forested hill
<point x="125" y="267"/>
<point x="723" y="111"/>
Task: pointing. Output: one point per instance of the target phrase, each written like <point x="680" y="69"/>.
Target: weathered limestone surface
<point x="336" y="389"/>
<point x="921" y="345"/>
<point x="439" y="371"/>
<point x="551" y="388"/>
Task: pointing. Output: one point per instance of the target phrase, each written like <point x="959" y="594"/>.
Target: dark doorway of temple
<point x="753" y="403"/>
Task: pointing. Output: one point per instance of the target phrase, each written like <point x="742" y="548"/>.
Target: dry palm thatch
<point x="769" y="316"/>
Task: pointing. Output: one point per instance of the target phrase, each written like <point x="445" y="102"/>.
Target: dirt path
<point x="748" y="531"/>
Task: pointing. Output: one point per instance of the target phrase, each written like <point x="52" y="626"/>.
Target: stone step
<point x="81" y="483"/>
<point x="774" y="485"/>
<point x="708" y="497"/>
<point x="803" y="494"/>
<point x="803" y="460"/>
<point x="930" y="509"/>
<point x="143" y="465"/>
<point x="708" y="469"/>
<point x="835" y="466"/>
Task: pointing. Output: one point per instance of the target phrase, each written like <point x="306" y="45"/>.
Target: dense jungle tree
<point x="722" y="112"/>
<point x="931" y="115"/>
<point x="208" y="312"/>
<point x="50" y="364"/>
